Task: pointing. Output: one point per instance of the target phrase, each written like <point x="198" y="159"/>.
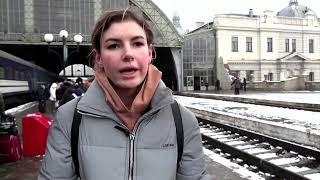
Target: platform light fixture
<point x="48" y="38"/>
<point x="64" y="35"/>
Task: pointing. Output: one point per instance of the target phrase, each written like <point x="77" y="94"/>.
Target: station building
<point x="273" y="51"/>
<point x="24" y="24"/>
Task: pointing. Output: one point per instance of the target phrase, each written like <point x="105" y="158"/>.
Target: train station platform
<point x="295" y="125"/>
<point x="305" y="100"/>
<point x="27" y="168"/>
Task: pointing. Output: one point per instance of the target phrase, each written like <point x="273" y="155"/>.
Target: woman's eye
<point x="138" y="44"/>
<point x="113" y="46"/>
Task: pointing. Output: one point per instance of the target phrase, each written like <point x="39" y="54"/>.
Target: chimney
<point x="250" y="13"/>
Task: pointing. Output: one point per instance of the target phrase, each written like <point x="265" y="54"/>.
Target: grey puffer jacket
<point x="105" y="152"/>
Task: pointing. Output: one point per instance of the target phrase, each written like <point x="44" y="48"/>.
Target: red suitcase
<point x="10" y="148"/>
<point x="35" y="129"/>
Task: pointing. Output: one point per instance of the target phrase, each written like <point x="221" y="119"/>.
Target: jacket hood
<point x="94" y="101"/>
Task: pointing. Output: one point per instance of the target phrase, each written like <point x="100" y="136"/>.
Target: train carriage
<point x="19" y="79"/>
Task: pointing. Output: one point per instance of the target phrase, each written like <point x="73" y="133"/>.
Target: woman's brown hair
<point x="110" y="17"/>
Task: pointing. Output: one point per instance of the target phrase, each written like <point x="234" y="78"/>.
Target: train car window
<point x="22" y="76"/>
<point x="28" y="75"/>
<point x="1" y="72"/>
<point x="16" y="75"/>
<point x="10" y="73"/>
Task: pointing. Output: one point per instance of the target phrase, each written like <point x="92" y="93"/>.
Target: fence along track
<point x="261" y="151"/>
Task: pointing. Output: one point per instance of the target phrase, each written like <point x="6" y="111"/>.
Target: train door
<point x="196" y="85"/>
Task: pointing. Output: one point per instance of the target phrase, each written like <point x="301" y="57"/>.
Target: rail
<point x="254" y="149"/>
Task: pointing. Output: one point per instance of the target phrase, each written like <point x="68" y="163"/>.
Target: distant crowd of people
<point x="59" y="93"/>
<point x="237" y="85"/>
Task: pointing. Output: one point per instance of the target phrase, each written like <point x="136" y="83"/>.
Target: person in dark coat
<point x="42" y="98"/>
<point x="217" y="84"/>
<point x="244" y="84"/>
<point x="72" y="92"/>
<point x="237" y="84"/>
<point x="62" y="89"/>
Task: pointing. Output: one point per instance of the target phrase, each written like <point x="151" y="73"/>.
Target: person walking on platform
<point x="72" y="92"/>
<point x="131" y="127"/>
<point x="244" y="84"/>
<point x="237" y="84"/>
<point x="217" y="85"/>
<point x="53" y="96"/>
<point x="42" y="98"/>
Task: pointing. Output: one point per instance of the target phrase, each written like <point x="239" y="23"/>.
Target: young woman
<point x="127" y="129"/>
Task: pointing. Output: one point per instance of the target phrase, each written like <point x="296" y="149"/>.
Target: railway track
<point x="269" y="157"/>
<point x="265" y="102"/>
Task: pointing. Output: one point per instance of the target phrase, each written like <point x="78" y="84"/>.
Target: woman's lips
<point x="128" y="72"/>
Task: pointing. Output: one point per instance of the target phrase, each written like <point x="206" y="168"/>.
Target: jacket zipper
<point x="131" y="136"/>
<point x="131" y="155"/>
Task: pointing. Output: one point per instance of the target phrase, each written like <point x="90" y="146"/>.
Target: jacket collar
<point x="93" y="101"/>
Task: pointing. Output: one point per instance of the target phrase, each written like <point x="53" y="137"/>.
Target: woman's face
<point x="125" y="54"/>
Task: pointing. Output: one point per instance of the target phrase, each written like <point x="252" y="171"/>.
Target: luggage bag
<point x="10" y="148"/>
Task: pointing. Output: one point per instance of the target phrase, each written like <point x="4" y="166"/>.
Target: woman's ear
<point x="150" y="52"/>
<point x="97" y="57"/>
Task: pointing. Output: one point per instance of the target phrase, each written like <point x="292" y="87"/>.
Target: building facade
<point x="274" y="50"/>
<point x="23" y="24"/>
<point x="198" y="59"/>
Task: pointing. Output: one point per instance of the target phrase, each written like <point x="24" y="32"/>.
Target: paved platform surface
<point x="28" y="169"/>
<point x="24" y="169"/>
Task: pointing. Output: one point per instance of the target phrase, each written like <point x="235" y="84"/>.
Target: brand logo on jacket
<point x="167" y="145"/>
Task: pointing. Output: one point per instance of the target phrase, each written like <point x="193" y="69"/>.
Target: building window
<point x="311" y="76"/>
<point x="310" y="45"/>
<point x="287" y="45"/>
<point x="294" y="45"/>
<point x="249" y="44"/>
<point x="234" y="44"/>
<point x="203" y="80"/>
<point x="189" y="81"/>
<point x="270" y="76"/>
<point x="269" y="45"/>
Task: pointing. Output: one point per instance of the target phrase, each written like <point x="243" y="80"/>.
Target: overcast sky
<point x="191" y="11"/>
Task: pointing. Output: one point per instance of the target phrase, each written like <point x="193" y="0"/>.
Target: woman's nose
<point x="128" y="52"/>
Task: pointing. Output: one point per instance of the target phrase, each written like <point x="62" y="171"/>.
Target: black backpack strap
<point x="179" y="129"/>
<point x="75" y="138"/>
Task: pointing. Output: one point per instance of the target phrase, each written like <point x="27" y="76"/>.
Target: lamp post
<point x="64" y="34"/>
<point x="78" y="39"/>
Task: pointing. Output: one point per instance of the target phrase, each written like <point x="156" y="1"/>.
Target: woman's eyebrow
<point x="112" y="39"/>
<point x="118" y="40"/>
<point x="137" y="37"/>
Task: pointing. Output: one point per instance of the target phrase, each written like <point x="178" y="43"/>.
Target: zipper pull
<point x="131" y="137"/>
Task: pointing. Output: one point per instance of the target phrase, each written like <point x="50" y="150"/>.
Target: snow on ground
<point x="305" y="121"/>
<point x="242" y="171"/>
<point x="312" y="97"/>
